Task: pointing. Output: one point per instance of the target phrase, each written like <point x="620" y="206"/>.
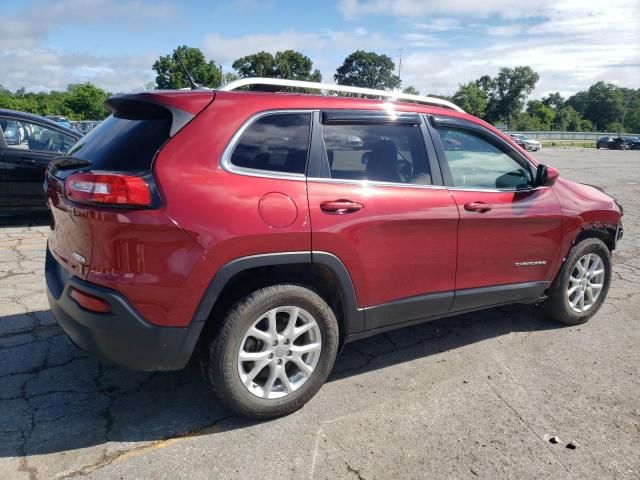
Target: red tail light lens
<point x="89" y="302"/>
<point x="108" y="189"/>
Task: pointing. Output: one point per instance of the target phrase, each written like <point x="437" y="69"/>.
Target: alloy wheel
<point x="279" y="352"/>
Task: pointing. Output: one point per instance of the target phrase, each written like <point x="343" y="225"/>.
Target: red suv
<point x="263" y="230"/>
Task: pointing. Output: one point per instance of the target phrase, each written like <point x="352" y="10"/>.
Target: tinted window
<point x="24" y="135"/>
<point x="476" y="162"/>
<point x="119" y="144"/>
<point x="278" y="143"/>
<point x="384" y="153"/>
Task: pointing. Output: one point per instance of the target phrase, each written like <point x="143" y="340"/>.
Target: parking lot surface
<point x="474" y="396"/>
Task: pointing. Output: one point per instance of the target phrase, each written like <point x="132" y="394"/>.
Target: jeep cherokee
<point x="262" y="230"/>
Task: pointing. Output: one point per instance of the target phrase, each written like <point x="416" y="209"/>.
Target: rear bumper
<point x="122" y="337"/>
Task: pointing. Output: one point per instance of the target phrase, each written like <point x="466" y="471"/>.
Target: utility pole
<point x="624" y="114"/>
<point x="400" y="70"/>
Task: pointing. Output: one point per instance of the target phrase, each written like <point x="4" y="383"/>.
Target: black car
<point x="619" y="143"/>
<point x="633" y="143"/>
<point x="27" y="144"/>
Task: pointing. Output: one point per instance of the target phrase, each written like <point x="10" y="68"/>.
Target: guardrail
<point x="572" y="135"/>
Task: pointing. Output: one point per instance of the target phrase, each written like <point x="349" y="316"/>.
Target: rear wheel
<point x="581" y="285"/>
<point x="275" y="350"/>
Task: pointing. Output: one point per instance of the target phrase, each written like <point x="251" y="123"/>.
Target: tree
<point x="411" y="90"/>
<point x="171" y="74"/>
<point x="86" y="101"/>
<point x="554" y="100"/>
<point x="545" y="114"/>
<point x="368" y="69"/>
<point x="471" y="98"/>
<point x="228" y="77"/>
<point x="602" y="104"/>
<point x="507" y="91"/>
<point x="568" y="120"/>
<point x="288" y="64"/>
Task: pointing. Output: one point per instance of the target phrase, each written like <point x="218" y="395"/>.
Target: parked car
<point x="261" y="247"/>
<point x="619" y="143"/>
<point x="604" y="142"/>
<point x="60" y="121"/>
<point x="526" y="142"/>
<point x="632" y="143"/>
<point x="27" y="144"/>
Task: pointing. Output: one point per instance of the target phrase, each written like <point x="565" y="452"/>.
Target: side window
<point x="475" y="162"/>
<point x="382" y="152"/>
<point x="277" y="143"/>
<point x="25" y="135"/>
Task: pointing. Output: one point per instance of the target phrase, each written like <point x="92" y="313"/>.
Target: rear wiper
<point x="63" y="163"/>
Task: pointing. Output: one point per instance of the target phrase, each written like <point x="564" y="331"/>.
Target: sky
<point x="47" y="44"/>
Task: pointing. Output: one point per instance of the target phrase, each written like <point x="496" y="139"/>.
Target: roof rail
<point x="244" y="82"/>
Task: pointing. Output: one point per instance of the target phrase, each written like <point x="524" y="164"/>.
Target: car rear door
<point x="4" y="186"/>
<point x="26" y="162"/>
<point x="509" y="236"/>
<point x="377" y="203"/>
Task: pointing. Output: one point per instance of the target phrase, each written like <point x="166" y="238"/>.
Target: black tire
<point x="598" y="146"/>
<point x="219" y="357"/>
<point x="556" y="306"/>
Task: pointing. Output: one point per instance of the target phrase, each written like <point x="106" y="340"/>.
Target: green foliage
<point x="507" y="91"/>
<point x="471" y="98"/>
<point x="369" y="70"/>
<point x="568" y="120"/>
<point x="86" y="101"/>
<point x="554" y="100"/>
<point x="79" y="102"/>
<point x="288" y="64"/>
<point x="170" y="74"/>
<point x="545" y="114"/>
<point x="229" y="77"/>
<point x="411" y="90"/>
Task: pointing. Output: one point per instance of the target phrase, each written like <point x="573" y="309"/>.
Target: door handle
<point x="480" y="207"/>
<point x="28" y="160"/>
<point x="340" y="207"/>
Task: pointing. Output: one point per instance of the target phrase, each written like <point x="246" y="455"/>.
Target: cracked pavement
<point x="474" y="396"/>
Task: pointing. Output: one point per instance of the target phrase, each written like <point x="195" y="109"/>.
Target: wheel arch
<point x="321" y="271"/>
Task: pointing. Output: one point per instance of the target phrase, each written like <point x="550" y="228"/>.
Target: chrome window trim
<point x="374" y="183"/>
<point x="496" y="190"/>
<point x="225" y="160"/>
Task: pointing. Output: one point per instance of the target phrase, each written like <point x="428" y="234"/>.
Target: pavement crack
<point x="107" y="459"/>
<point x="356" y="472"/>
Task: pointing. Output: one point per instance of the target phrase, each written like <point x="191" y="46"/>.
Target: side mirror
<point x="546" y="176"/>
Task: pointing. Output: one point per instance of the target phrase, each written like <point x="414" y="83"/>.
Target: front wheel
<point x="273" y="353"/>
<point x="581" y="285"/>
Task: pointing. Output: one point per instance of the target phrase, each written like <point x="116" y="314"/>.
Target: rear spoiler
<point x="181" y="106"/>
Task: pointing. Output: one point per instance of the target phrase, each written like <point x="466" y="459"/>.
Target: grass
<point x="569" y="143"/>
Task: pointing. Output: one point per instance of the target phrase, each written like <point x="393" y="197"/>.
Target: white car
<point x="526" y="142"/>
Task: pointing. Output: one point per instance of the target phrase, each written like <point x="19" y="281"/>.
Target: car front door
<point x="26" y="162"/>
<point x="377" y="203"/>
<point x="509" y="235"/>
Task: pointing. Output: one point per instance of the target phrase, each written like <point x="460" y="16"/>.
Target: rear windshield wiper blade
<point x="63" y="163"/>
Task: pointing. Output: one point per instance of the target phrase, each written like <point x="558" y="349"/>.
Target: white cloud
<point x="420" y="8"/>
<point x="575" y="45"/>
<point x="440" y="25"/>
<point x="39" y="70"/>
<point x="226" y="49"/>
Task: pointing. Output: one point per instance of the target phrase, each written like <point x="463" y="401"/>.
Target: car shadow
<point x="55" y="398"/>
<point x="25" y="220"/>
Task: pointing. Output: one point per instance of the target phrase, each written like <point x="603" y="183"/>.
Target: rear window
<point x="122" y="144"/>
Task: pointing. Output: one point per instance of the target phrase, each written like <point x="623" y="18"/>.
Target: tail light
<point x="108" y="189"/>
